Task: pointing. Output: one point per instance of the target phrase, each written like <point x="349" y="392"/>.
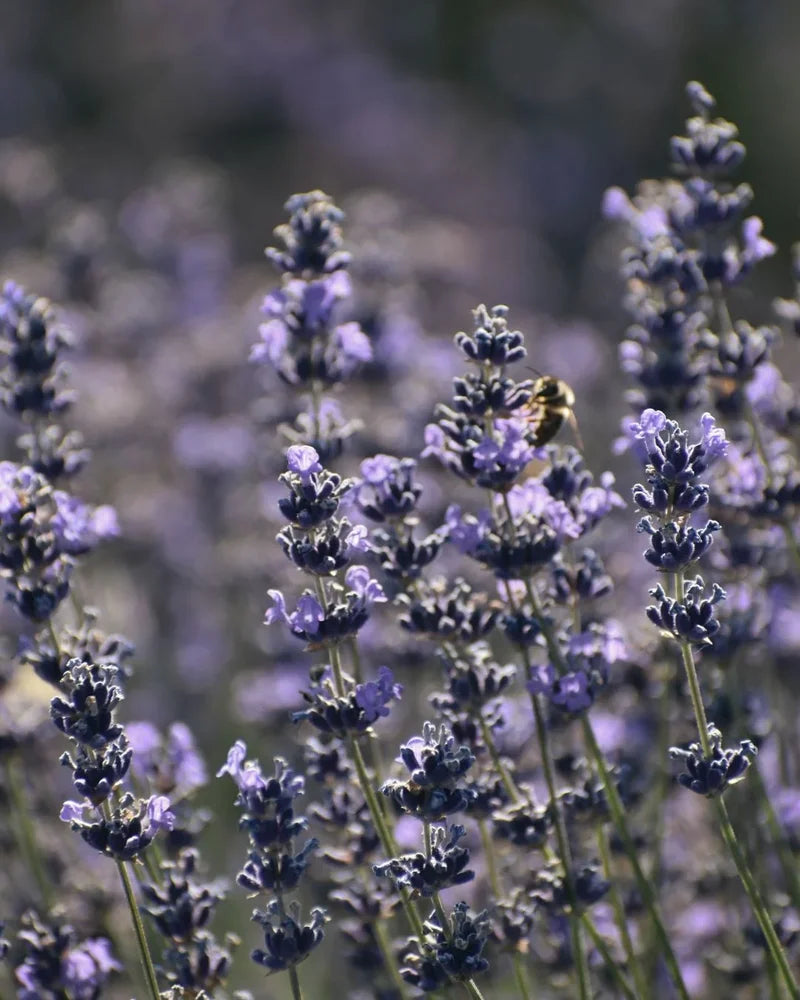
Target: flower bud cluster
<point x="711" y="774"/>
<point x="267" y="805"/>
<point x="86" y="713"/>
<point x="443" y="956"/>
<point x="32" y="382"/>
<point x="320" y="544"/>
<point x="302" y="338"/>
<point x="387" y="493"/>
<point x="689" y="239"/>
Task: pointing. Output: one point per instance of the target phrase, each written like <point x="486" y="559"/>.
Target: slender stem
<point x="491" y="860"/>
<point x="787" y="863"/>
<point x="602" y="947"/>
<point x="775" y="991"/>
<point x="616" y="809"/>
<point x="384" y="834"/>
<point x="520" y="976"/>
<point x="640" y="982"/>
<point x="508" y="782"/>
<point x="472" y="990"/>
<point x="294" y="979"/>
<point x="693" y="680"/>
<point x="141" y="939"/>
<point x="385" y="948"/>
<point x="756" y="902"/>
<point x="26" y="833"/>
<point x="745" y="875"/>
<point x="565" y="857"/>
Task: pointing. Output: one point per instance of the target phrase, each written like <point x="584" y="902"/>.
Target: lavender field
<point x="413" y="609"/>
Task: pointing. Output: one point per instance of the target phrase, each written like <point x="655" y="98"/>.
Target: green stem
<point x="611" y="965"/>
<point x="491" y="860"/>
<point x="141" y="940"/>
<point x="385" y="948"/>
<point x="787" y="863"/>
<point x="616" y="809"/>
<point x="384" y="834"/>
<point x="294" y="979"/>
<point x="565" y="856"/>
<point x="756" y="902"/>
<point x="508" y="782"/>
<point x="26" y="833"/>
<point x="472" y="990"/>
<point x="520" y="976"/>
<point x="640" y="982"/>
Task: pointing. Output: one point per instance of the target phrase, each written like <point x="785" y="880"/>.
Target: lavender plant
<point x="530" y="837"/>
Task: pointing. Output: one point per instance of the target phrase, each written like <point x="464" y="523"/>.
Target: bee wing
<point x="573" y="422"/>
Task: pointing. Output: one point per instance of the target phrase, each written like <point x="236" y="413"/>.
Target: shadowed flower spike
<point x="445" y="956"/>
<point x="711" y="775"/>
<point x="287" y="941"/>
<point x="424" y="876"/>
<point x="128" y="831"/>
<point x="693" y="617"/>
<point x="55" y="964"/>
<point x="435" y="764"/>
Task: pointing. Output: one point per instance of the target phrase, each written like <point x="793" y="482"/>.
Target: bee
<point x="549" y="407"/>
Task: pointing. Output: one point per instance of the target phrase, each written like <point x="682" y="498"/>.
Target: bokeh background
<point x="146" y="150"/>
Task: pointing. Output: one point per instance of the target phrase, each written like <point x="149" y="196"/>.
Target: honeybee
<point x="549" y="407"/>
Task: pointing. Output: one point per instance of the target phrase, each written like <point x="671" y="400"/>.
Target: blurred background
<point x="146" y="150"/>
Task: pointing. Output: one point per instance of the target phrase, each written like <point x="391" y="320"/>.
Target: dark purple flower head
<point x="387" y="489"/>
<point x="128" y="831"/>
<point x="287" y="941"/>
<point x="311" y="241"/>
<point x="673" y="464"/>
<point x="711" y="775"/>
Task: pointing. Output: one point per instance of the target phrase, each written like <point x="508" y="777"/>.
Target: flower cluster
<point x="300" y="336"/>
<point x="267" y="807"/>
<point x="56" y="964"/>
<point x="33" y="382"/>
<point x="689" y="240"/>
